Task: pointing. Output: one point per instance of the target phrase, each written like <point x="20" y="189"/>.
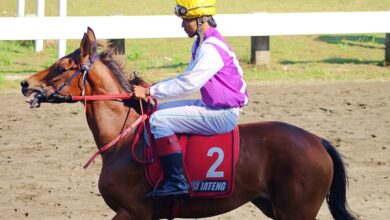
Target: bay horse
<point x="285" y="171"/>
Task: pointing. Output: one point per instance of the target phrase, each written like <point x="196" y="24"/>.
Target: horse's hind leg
<point x="265" y="206"/>
<point x="298" y="201"/>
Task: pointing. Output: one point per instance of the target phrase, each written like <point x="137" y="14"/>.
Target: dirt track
<point x="42" y="150"/>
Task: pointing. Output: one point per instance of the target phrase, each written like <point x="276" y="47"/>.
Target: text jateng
<point x="209" y="186"/>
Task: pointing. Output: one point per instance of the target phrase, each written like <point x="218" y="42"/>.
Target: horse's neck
<point x="106" y="119"/>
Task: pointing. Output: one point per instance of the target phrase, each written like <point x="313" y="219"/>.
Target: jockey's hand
<point x="141" y="92"/>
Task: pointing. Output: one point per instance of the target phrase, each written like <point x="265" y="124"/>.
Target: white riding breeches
<point x="192" y="116"/>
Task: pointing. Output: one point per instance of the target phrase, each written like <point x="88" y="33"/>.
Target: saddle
<point x="209" y="163"/>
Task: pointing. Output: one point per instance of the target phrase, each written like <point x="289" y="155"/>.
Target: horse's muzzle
<point x="35" y="96"/>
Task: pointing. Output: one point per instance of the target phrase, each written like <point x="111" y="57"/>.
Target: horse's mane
<point x="107" y="57"/>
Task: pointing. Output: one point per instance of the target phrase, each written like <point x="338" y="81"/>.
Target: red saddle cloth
<point x="209" y="163"/>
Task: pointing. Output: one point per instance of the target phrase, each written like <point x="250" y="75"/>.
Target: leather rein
<point x="55" y="97"/>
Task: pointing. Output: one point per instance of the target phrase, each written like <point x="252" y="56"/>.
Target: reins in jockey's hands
<point x="141" y="92"/>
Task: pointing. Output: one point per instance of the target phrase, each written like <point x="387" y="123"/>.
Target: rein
<point x="123" y="96"/>
<point x="135" y="124"/>
<point x="140" y="123"/>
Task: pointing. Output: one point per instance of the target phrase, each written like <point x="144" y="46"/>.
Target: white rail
<point x="133" y="27"/>
<point x="166" y="26"/>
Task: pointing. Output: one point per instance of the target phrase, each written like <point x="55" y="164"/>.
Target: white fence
<point x="256" y="24"/>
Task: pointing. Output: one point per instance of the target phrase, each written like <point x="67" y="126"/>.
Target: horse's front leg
<point x="125" y="195"/>
<point x="125" y="214"/>
<point x="122" y="214"/>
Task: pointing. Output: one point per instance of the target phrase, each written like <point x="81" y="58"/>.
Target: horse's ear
<point x="88" y="44"/>
<point x="85" y="46"/>
<point x="91" y="35"/>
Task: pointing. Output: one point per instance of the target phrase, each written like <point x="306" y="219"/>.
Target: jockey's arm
<point x="206" y="64"/>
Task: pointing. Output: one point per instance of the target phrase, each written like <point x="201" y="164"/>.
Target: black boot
<point x="174" y="183"/>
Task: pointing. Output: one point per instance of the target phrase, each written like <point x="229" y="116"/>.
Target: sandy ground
<point x="42" y="150"/>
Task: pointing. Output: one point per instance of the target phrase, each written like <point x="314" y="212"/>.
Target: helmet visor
<point x="180" y="11"/>
<point x="195" y="12"/>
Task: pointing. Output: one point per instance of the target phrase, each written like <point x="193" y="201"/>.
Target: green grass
<point x="156" y="7"/>
<point x="293" y="58"/>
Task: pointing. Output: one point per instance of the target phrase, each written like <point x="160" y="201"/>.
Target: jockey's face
<point x="190" y="26"/>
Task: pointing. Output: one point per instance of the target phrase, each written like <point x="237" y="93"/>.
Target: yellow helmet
<point x="195" y="8"/>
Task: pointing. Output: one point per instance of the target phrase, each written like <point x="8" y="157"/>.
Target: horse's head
<point x="64" y="77"/>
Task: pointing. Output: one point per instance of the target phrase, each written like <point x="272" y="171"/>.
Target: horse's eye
<point x="59" y="70"/>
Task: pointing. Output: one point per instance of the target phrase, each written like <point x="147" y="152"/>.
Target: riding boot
<point x="174" y="182"/>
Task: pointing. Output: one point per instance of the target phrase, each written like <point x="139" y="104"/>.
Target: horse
<point x="285" y="171"/>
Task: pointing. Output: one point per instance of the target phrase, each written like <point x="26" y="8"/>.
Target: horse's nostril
<point x="24" y="84"/>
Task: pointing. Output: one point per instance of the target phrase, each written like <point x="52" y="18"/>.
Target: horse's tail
<point x="336" y="198"/>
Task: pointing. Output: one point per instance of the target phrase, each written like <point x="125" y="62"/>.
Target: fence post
<point x="62" y="10"/>
<point x="260" y="54"/>
<point x="21" y="6"/>
<point x="387" y="50"/>
<point x="118" y="45"/>
<point x="40" y="13"/>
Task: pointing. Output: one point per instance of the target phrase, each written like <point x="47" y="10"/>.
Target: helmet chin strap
<point x="199" y="32"/>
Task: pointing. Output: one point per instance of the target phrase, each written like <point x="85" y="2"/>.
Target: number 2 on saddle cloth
<point x="209" y="163"/>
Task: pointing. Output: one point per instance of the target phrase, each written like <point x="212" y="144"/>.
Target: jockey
<point x="216" y="72"/>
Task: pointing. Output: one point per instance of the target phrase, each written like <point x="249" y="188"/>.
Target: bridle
<point x="55" y="97"/>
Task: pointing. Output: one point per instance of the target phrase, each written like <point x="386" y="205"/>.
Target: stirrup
<point x="156" y="193"/>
